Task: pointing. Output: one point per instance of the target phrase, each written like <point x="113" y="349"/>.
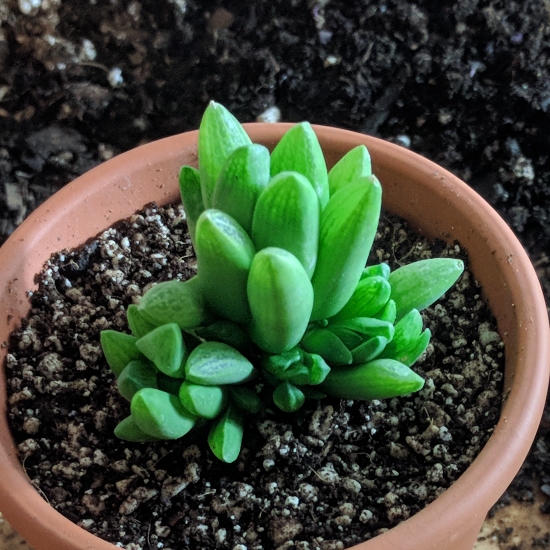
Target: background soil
<point x="464" y="82"/>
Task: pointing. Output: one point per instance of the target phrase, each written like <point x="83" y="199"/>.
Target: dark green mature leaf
<point x="288" y="397"/>
<point x="378" y="379"/>
<point x="226" y="435"/>
<point x="204" y="401"/>
<point x="214" y="363"/>
<point x="164" y="346"/>
<point x="119" y="349"/>
<point x="179" y="302"/>
<point x="136" y="375"/>
<point x="128" y="430"/>
<point x="161" y="414"/>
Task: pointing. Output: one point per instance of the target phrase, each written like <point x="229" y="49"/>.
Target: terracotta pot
<point x="432" y="199"/>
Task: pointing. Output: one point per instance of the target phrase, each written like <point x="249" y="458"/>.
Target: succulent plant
<point x="283" y="307"/>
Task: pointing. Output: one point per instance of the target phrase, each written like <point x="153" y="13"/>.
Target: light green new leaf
<point x="354" y="164"/>
<point x="299" y="151"/>
<point x="378" y="379"/>
<point x="287" y="216"/>
<point x="243" y="177"/>
<point x="347" y="231"/>
<point x="220" y="133"/>
<point x="224" y="256"/>
<point x="420" y="284"/>
<point x="191" y="197"/>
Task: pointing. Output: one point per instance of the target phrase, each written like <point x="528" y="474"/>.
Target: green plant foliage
<point x="283" y="307"/>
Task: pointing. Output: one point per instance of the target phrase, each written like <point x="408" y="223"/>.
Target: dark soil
<point x="464" y="82"/>
<point x="337" y="473"/>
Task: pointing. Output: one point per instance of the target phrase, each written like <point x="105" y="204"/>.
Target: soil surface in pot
<point x="465" y="83"/>
<point x="335" y="474"/>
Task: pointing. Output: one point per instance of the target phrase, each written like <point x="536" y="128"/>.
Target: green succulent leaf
<point x="164" y="346"/>
<point x="204" y="401"/>
<point x="347" y="230"/>
<point x="299" y="151"/>
<point x="388" y="313"/>
<point x="220" y="133"/>
<point x="287" y="216"/>
<point x="377" y="379"/>
<point x="298" y="375"/>
<point x="354" y="164"/>
<point x="226" y="435"/>
<point x="370" y="349"/>
<point x="420" y="284"/>
<point x="409" y="341"/>
<point x="318" y="368"/>
<point x="369" y="297"/>
<point x="288" y="397"/>
<point x="367" y="326"/>
<point x="214" y="363"/>
<point x="128" y="430"/>
<point x="179" y="302"/>
<point x="137" y="323"/>
<point x="242" y="179"/>
<point x="119" y="349"/>
<point x="161" y="414"/>
<point x="281" y="297"/>
<point x="378" y="270"/>
<point x="325" y="343"/>
<point x="277" y="364"/>
<point x="136" y="375"/>
<point x="245" y="399"/>
<point x="191" y="196"/>
<point x="224" y="256"/>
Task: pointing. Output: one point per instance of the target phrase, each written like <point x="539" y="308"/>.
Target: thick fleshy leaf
<point x="178" y="302"/>
<point x="220" y="133"/>
<point x="136" y="375"/>
<point x="288" y="397"/>
<point x="164" y="346"/>
<point x="299" y="151"/>
<point x="214" y="363"/>
<point x="138" y="324"/>
<point x="354" y="164"/>
<point x="224" y="256"/>
<point x="326" y="344"/>
<point x="280" y="297"/>
<point x="204" y="401"/>
<point x="226" y="435"/>
<point x="243" y="177"/>
<point x="245" y="399"/>
<point x="409" y="341"/>
<point x="420" y="284"/>
<point x="119" y="349"/>
<point x="287" y="216"/>
<point x="347" y="230"/>
<point x="378" y="379"/>
<point x="161" y="414"/>
<point x="191" y="197"/>
<point x="128" y="430"/>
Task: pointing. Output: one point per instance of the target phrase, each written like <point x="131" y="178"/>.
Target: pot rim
<point x="521" y="412"/>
